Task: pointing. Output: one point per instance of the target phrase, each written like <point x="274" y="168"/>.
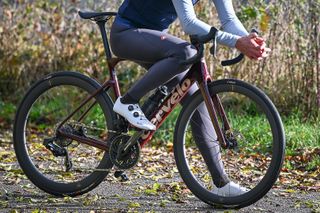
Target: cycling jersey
<point x="150" y="14"/>
<point x="158" y="15"/>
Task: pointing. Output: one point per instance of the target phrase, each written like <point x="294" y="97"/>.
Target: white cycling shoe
<point x="230" y="190"/>
<point x="134" y="114"/>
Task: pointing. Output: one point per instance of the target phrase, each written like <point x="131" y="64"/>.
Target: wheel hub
<point x="232" y="138"/>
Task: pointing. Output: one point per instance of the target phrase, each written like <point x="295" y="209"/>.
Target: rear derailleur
<point x="58" y="144"/>
<point x="58" y="151"/>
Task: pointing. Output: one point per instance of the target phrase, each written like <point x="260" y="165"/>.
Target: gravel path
<point x="154" y="186"/>
<point x="113" y="196"/>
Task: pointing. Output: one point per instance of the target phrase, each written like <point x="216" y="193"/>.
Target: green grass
<point x="314" y="163"/>
<point x="299" y="134"/>
<point x="7" y="111"/>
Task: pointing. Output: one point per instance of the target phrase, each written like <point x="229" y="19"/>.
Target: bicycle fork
<point x="213" y="112"/>
<point x="214" y="106"/>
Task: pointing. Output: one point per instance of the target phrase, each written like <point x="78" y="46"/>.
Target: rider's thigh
<point x="148" y="46"/>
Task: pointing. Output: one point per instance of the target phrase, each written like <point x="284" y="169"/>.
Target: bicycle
<point x="51" y="128"/>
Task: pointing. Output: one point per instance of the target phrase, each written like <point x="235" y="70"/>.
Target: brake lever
<point x="213" y="49"/>
<point x="254" y="30"/>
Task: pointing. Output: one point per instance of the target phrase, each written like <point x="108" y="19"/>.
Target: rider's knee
<point x="185" y="51"/>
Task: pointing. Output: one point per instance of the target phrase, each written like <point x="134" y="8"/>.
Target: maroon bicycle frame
<point x="202" y="78"/>
<point x="197" y="74"/>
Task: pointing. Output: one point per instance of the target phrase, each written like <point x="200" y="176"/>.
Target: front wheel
<point x="256" y="139"/>
<point x="58" y="165"/>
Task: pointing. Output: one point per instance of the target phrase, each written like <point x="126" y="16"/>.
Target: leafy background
<point x="40" y="37"/>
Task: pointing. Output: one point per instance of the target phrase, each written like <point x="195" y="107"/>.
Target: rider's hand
<point x="253" y="47"/>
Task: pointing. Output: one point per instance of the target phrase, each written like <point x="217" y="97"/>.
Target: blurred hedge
<point x="39" y="37"/>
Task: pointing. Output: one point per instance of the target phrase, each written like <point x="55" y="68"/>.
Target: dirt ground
<point x="152" y="188"/>
<point x="114" y="196"/>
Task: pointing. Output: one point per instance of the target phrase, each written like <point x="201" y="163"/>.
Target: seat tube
<point x="102" y="28"/>
<point x="107" y="50"/>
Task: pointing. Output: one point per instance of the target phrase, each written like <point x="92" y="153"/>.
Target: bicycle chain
<point x="76" y="124"/>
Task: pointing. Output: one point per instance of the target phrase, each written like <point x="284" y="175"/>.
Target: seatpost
<point x="102" y="24"/>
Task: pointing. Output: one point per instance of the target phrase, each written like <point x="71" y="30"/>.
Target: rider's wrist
<point x="235" y="40"/>
<point x="238" y="44"/>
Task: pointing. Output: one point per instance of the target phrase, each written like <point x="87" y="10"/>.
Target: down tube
<point x="167" y="106"/>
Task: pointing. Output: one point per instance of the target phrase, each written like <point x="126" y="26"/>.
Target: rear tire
<point x="257" y="163"/>
<point x="33" y="123"/>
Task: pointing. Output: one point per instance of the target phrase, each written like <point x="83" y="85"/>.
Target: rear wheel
<point x="55" y="164"/>
<point x="258" y="141"/>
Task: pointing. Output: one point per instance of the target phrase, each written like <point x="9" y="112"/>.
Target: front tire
<point x="258" y="159"/>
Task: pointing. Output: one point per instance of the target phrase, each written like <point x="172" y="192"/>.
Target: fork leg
<point x="212" y="112"/>
<point x="218" y="105"/>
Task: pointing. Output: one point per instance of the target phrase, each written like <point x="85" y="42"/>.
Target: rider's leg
<point x="162" y="50"/>
<point x="206" y="140"/>
<point x="205" y="136"/>
<point x="159" y="52"/>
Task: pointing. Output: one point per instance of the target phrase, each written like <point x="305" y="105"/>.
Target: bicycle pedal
<point x="121" y="176"/>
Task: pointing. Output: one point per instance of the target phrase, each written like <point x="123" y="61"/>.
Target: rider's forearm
<point x="193" y="26"/>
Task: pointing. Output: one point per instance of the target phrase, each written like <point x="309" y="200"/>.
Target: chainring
<point x="129" y="160"/>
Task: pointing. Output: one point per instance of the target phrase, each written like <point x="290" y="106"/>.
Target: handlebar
<point x="233" y="61"/>
<point x="199" y="41"/>
<point x="205" y="38"/>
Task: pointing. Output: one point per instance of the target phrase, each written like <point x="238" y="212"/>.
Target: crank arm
<point x="56" y="150"/>
<point x="131" y="142"/>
